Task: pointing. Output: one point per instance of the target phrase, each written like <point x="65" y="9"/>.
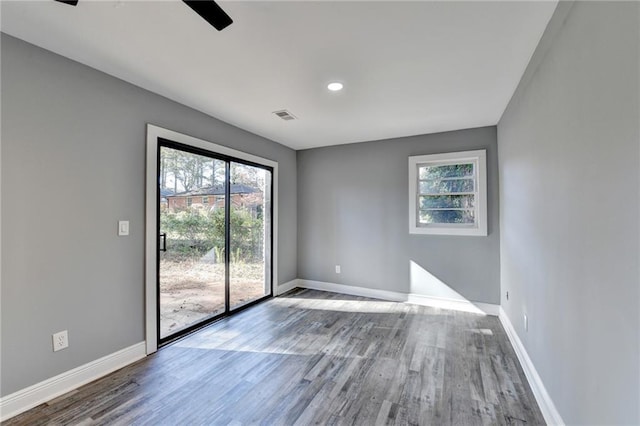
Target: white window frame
<point x="479" y="159"/>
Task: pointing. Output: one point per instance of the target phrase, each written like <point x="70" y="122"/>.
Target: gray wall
<point x="73" y="163"/>
<point x="353" y="211"/>
<point x="569" y="191"/>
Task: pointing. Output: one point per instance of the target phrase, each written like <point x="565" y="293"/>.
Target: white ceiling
<point x="408" y="67"/>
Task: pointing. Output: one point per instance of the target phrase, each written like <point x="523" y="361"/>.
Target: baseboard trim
<point x="548" y="408"/>
<point x="288" y="286"/>
<point x="25" y="399"/>
<point x="353" y="290"/>
<point x="454" y="304"/>
<point x="418" y="299"/>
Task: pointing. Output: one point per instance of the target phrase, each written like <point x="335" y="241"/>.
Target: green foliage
<point x="188" y="171"/>
<point x="192" y="233"/>
<point x="446" y="171"/>
<point x="237" y="256"/>
<point x="219" y="253"/>
<point x="447" y="201"/>
<point x="445" y="193"/>
<point x="447" y="216"/>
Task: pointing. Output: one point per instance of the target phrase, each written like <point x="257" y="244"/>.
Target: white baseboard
<point x="353" y="290"/>
<point x="288" y="286"/>
<point x="548" y="408"/>
<point x="454" y="304"/>
<point x="418" y="299"/>
<point x="49" y="389"/>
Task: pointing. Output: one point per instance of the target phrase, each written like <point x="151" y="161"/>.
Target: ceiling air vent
<point x="285" y="115"/>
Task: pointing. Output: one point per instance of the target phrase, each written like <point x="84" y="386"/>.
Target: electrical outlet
<point x="337" y="269"/>
<point x="60" y="340"/>
<point x="526" y="323"/>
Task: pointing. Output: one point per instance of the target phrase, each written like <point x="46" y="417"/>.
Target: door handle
<point x="163" y="237"/>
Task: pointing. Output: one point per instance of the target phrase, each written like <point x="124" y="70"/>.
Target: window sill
<point x="443" y="230"/>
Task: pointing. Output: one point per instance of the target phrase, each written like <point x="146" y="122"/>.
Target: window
<point x="448" y="193"/>
<point x="189" y="201"/>
<point x="205" y="200"/>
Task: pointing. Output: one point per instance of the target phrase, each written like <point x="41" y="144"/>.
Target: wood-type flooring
<point x="312" y="357"/>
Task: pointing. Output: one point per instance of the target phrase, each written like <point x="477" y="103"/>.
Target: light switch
<point x="123" y="227"/>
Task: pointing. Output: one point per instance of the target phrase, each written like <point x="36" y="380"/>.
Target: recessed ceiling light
<point x="335" y="86"/>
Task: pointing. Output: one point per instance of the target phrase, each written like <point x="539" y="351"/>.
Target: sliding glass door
<point x="250" y="234"/>
<point x="214" y="236"/>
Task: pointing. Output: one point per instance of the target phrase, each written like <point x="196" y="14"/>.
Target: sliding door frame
<point x="154" y="135"/>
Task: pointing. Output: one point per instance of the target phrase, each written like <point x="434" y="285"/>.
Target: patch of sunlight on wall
<point x="423" y="284"/>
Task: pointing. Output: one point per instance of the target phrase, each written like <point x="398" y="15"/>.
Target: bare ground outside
<point x="193" y="290"/>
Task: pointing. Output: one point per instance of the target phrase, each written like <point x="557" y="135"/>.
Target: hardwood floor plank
<point x="312" y="357"/>
<point x="383" y="413"/>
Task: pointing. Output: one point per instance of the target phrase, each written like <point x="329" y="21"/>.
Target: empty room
<point x="319" y="212"/>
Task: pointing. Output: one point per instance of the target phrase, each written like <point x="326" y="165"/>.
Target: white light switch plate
<point x="123" y="227"/>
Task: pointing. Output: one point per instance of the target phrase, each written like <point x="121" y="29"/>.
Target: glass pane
<point x="192" y="268"/>
<point x="447" y="201"/>
<point x="440" y="186"/>
<point x="447" y="216"/>
<point x="451" y="170"/>
<point x="250" y="263"/>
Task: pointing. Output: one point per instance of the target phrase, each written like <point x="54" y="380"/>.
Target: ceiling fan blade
<point x="69" y="2"/>
<point x="210" y="12"/>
